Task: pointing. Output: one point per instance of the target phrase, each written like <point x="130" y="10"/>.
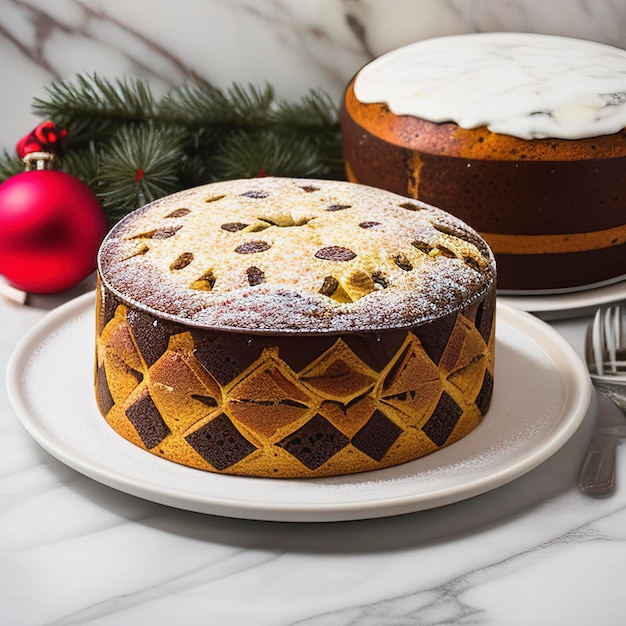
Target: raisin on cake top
<point x="282" y="255"/>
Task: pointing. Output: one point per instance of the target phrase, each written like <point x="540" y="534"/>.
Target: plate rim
<point x="564" y="302"/>
<point x="579" y="398"/>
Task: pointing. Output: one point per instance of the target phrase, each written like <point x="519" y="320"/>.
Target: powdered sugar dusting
<point x="287" y="255"/>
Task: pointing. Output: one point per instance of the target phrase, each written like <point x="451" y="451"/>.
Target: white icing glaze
<point x="525" y="85"/>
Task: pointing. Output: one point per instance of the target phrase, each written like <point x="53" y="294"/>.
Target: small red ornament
<point x="51" y="226"/>
<point x="47" y="137"/>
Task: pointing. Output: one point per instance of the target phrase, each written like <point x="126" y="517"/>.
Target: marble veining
<point x="525" y="85"/>
<point x="294" y="45"/>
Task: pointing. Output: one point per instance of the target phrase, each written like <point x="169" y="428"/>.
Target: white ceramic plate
<point x="542" y="393"/>
<point x="563" y="305"/>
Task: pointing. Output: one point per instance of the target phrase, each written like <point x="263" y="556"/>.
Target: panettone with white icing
<point x="293" y="328"/>
<point x="521" y="136"/>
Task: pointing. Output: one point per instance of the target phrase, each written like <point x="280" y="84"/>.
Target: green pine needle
<point x="315" y="110"/>
<point x="267" y="154"/>
<point x="139" y="164"/>
<point x="9" y="165"/>
<point x="92" y="107"/>
<point x="196" y="105"/>
<point x="199" y="105"/>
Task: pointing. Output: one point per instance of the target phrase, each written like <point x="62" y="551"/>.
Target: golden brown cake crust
<point x="421" y="135"/>
<point x="286" y="255"/>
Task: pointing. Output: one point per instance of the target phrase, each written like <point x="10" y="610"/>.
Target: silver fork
<point x="605" y="354"/>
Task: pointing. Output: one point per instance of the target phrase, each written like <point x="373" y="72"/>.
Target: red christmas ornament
<point x="51" y="226"/>
<point x="47" y="137"/>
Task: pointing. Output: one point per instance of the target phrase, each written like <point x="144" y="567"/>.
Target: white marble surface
<point x="75" y="552"/>
<point x="292" y="44"/>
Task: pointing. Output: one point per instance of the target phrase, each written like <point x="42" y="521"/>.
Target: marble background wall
<point x="292" y="44"/>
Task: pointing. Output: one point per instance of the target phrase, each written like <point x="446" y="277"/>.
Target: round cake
<point x="284" y="327"/>
<point x="521" y="136"/>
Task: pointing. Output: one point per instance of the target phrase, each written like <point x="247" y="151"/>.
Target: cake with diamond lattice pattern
<point x="293" y="328"/>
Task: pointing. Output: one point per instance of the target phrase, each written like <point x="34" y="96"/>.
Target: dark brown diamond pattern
<point x="103" y="395"/>
<point x="220" y="443"/>
<point x="315" y="442"/>
<point x="484" y="395"/>
<point x="147" y="420"/>
<point x="377" y="436"/>
<point x="443" y="420"/>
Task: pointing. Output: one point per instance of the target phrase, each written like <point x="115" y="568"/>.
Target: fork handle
<point x="597" y="475"/>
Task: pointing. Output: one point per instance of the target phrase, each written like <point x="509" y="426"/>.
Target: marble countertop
<point x="76" y="552"/>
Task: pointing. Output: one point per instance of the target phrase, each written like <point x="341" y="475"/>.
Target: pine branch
<point x="267" y="154"/>
<point x="9" y="165"/>
<point x="131" y="149"/>
<point x="140" y="164"/>
<point x="82" y="163"/>
<point x="315" y="110"/>
<point x="196" y="105"/>
<point x="252" y="106"/>
<point x="93" y="107"/>
<point x="199" y="105"/>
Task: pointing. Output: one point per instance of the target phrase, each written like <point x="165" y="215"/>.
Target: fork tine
<point x="620" y="338"/>
<point x="611" y="321"/>
<point x="605" y="344"/>
<point x="619" y="326"/>
<point x="597" y="342"/>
